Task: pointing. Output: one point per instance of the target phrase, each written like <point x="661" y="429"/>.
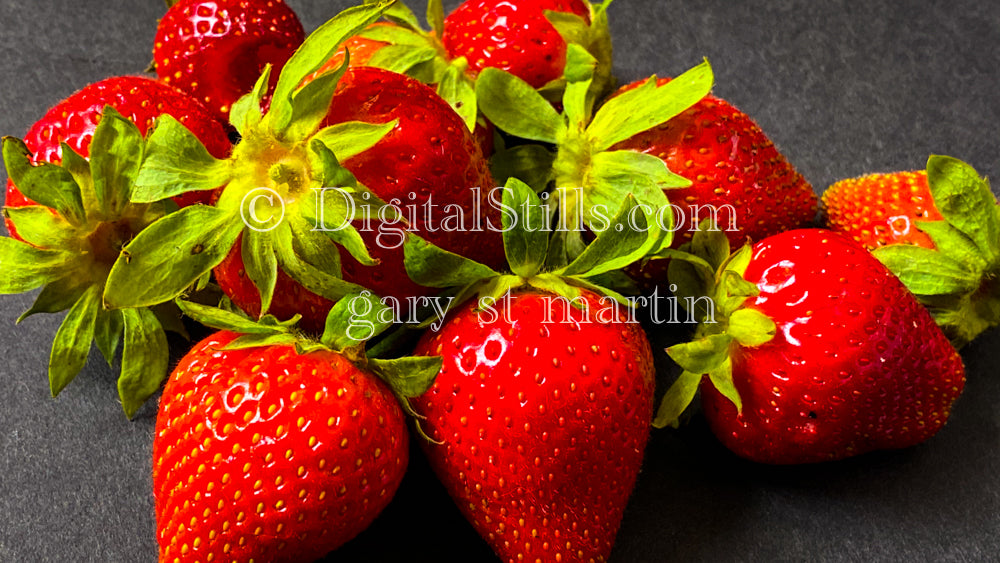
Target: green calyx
<point x="594" y="38"/>
<point x="528" y="234"/>
<point x="957" y="280"/>
<point x="353" y="322"/>
<point x="85" y="215"/>
<point x="589" y="178"/>
<point x="284" y="193"/>
<point x="709" y="282"/>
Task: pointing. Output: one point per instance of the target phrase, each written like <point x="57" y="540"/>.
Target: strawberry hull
<point x="543" y="425"/>
<point x="856" y="364"/>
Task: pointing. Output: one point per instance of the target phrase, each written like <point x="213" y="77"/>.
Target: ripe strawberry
<point x="938" y="230"/>
<point x="730" y="162"/>
<point x="141" y="100"/>
<point x="881" y="209"/>
<point x="545" y="396"/>
<point x="216" y="49"/>
<point x="384" y="137"/>
<point x="273" y="449"/>
<point x="817" y="352"/>
<point x="511" y="35"/>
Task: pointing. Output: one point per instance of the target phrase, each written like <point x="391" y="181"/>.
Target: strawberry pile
<point x="442" y="232"/>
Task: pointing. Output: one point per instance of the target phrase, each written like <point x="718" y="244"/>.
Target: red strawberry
<point x="817" y="353"/>
<point x="141" y="100"/>
<point x="881" y="209"/>
<point x="938" y="230"/>
<point x="544" y="424"/>
<point x="380" y="135"/>
<point x="544" y="400"/>
<point x="216" y="49"/>
<point x="279" y="451"/>
<point x="512" y="35"/>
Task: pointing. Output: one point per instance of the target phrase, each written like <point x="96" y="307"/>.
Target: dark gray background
<point x="843" y="88"/>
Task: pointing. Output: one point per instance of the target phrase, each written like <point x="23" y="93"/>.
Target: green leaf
<point x="750" y="327"/>
<point x="330" y="213"/>
<point x="949" y="241"/>
<point x="517" y="108"/>
<point x="615" y="247"/>
<point x="307" y="264"/>
<point x="79" y="168"/>
<point x="710" y="244"/>
<point x="58" y="295"/>
<point x="401" y="58"/>
<point x="355" y="319"/>
<point x="221" y="319"/>
<point x="456" y="89"/>
<point x="116" y="152"/>
<point x="40" y="227"/>
<point x="677" y="399"/>
<point x="260" y="264"/>
<point x="927" y="272"/>
<point x="966" y="202"/>
<point x="431" y="266"/>
<point x="311" y="102"/>
<point x="702" y="355"/>
<point x="525" y="234"/>
<point x="315" y="52"/>
<point x="261" y="340"/>
<point x="647" y="106"/>
<point x="435" y="16"/>
<point x="408" y="377"/>
<point x="176" y="163"/>
<point x="24" y="267"/>
<point x="145" y="358"/>
<point x="45" y="184"/>
<point x="722" y="378"/>
<point x="71" y="345"/>
<point x="164" y="259"/>
<point x="579" y="72"/>
<point x="532" y="164"/>
<point x="246" y="112"/>
<point x="352" y="138"/>
<point x="399" y="13"/>
<point x="108" y="332"/>
<point x="395" y="34"/>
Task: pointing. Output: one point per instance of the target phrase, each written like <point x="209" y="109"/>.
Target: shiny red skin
<point x="217" y="49"/>
<point x="882" y="209"/>
<point x="730" y="161"/>
<point x="512" y="35"/>
<point x="544" y="424"/>
<point x="279" y="456"/>
<point x="857" y="363"/>
<point x="141" y="100"/>
<point x="429" y="153"/>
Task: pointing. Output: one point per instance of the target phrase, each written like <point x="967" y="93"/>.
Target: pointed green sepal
<point x="356" y="319"/>
<point x="177" y="162"/>
<point x="408" y="377"/>
<point x="71" y="344"/>
<point x="677" y="399"/>
<point x="517" y="108"/>
<point x="145" y="359"/>
<point x="46" y="184"/>
<point x="116" y="152"/>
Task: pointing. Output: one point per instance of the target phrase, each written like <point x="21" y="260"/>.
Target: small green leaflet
<point x="456" y="89"/>
<point x="71" y="344"/>
<point x="927" y="272"/>
<point x="261" y="265"/>
<point x="517" y="108"/>
<point x="647" y="106"/>
<point x="615" y="247"/>
<point x="431" y="266"/>
<point x="246" y="111"/>
<point x="311" y="103"/>
<point x="408" y="377"/>
<point x="38" y="226"/>
<point x="116" y="152"/>
<point x="677" y="399"/>
<point x="46" y="184"/>
<point x="352" y="138"/>
<point x="525" y="230"/>
<point x="170" y="255"/>
<point x="176" y="163"/>
<point x="145" y="359"/>
<point x="966" y="202"/>
<point x="355" y="319"/>
<point x="24" y="267"/>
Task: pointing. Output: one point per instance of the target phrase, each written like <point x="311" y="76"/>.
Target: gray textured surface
<point x="842" y="87"/>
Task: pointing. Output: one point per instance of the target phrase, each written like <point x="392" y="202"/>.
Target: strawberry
<point x="656" y="139"/>
<point x="141" y="100"/>
<point x="809" y="350"/>
<point x="881" y="209"/>
<point x="68" y="242"/>
<point x="513" y="36"/>
<point x="545" y="397"/>
<point x="272" y="448"/>
<point x="938" y="230"/>
<point x="360" y="129"/>
<point x="216" y="49"/>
